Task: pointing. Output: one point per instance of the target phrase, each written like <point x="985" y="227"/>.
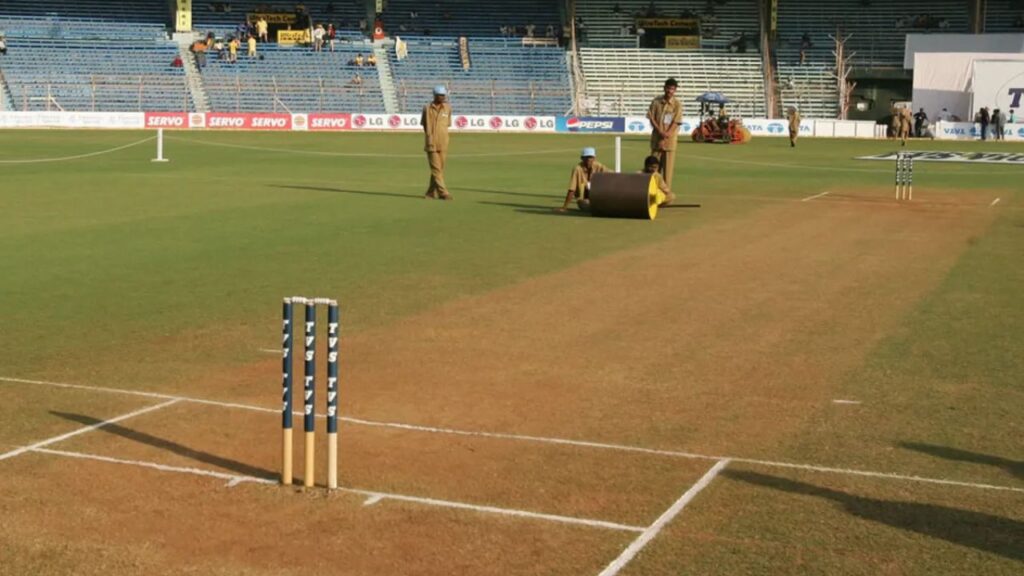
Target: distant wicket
<point x="309" y="389"/>
<point x="904" y="176"/>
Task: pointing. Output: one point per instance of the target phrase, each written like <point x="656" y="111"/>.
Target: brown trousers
<point x="437" y="162"/>
<point x="667" y="159"/>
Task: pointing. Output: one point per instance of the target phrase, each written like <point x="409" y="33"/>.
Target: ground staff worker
<point x="579" y="180"/>
<point x="665" y="116"/>
<point x="436" y="119"/>
<point x="794" y="126"/>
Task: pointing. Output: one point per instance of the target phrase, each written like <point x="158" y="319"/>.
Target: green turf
<point x="110" y="265"/>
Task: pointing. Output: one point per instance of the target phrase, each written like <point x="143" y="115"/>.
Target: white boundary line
<point x="841" y="401"/>
<point x="89" y="428"/>
<point x="365" y="154"/>
<point x="78" y="156"/>
<point x="372" y="496"/>
<point x="647" y="535"/>
<point x="809" y="198"/>
<point x="994" y="202"/>
<point x="537" y="439"/>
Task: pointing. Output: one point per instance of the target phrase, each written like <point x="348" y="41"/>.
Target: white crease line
<point x="233" y="479"/>
<point x="809" y="198"/>
<point x="270" y="351"/>
<point x="994" y="202"/>
<point x="78" y="156"/>
<point x="372" y="496"/>
<point x="839" y="401"/>
<point x="647" y="535"/>
<point x="89" y="428"/>
<point x="527" y="438"/>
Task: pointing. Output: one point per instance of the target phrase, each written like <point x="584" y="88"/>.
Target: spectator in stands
<point x="318" y="38"/>
<point x="739" y="43"/>
<point x="261" y="29"/>
<point x="176" y="63"/>
<point x="919" y="120"/>
<point x="362" y="25"/>
<point x="805" y="45"/>
<point x="371" y="59"/>
<point x="665" y="115"/>
<point x="436" y="119"/>
<point x="550" y="31"/>
<point x="199" y="48"/>
<point x="357" y="80"/>
<point x="233" y="50"/>
<point x="998" y="124"/>
<point x="983" y="119"/>
<point x="251" y="42"/>
<point x="332" y="35"/>
<point x="579" y="181"/>
<point x="3" y="46"/>
<point x="653" y="166"/>
<point x="357" y="61"/>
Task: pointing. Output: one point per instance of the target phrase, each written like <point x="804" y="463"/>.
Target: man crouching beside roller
<point x="653" y="166"/>
<point x="579" y="182"/>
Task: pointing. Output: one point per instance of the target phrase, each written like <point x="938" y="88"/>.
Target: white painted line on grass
<point x="372" y="496"/>
<point x="89" y="428"/>
<point x="270" y="351"/>
<point x="809" y="198"/>
<point x="840" y="401"/>
<point x="647" y="535"/>
<point x="994" y="202"/>
<point x="528" y="438"/>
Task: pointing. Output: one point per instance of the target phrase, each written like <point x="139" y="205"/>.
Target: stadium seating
<point x="505" y="77"/>
<point x="623" y="81"/>
<point x="126" y="11"/>
<point x="345" y="14"/>
<point x="79" y="29"/>
<point x="472" y="18"/>
<point x="811" y="89"/>
<point x="877" y="28"/>
<point x="1004" y="16"/>
<point x="77" y="75"/>
<point x="293" y="79"/>
<point x="721" y="21"/>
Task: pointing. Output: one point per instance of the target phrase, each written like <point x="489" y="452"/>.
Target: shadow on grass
<point x="1014" y="467"/>
<point x="505" y="192"/>
<point x="170" y="446"/>
<point x="343" y="191"/>
<point x="993" y="534"/>
<point x="539" y="210"/>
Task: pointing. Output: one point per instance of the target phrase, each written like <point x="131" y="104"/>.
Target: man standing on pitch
<point x="436" y="119"/>
<point x="794" y="125"/>
<point x="665" y="115"/>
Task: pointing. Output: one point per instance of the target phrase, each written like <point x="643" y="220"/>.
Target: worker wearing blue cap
<point x="436" y="119"/>
<point x="579" y="182"/>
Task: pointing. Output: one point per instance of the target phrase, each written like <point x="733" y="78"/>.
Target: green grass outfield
<point x="126" y="273"/>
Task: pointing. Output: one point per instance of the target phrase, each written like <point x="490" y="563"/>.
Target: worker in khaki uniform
<point x="905" y="124"/>
<point x="436" y="119"/>
<point x="652" y="166"/>
<point x="579" y="181"/>
<point x="794" y="125"/>
<point x="665" y="116"/>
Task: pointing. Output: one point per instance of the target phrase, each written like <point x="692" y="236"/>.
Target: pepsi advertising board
<point x="590" y="124"/>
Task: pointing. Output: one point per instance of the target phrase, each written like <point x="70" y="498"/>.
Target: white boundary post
<point x="618" y="153"/>
<point x="160" y="146"/>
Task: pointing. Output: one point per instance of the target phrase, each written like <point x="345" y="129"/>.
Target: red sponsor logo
<point x="359" y="121"/>
<point x="461" y="122"/>
<point x="331" y="121"/>
<point x="530" y="123"/>
<point x="496" y="122"/>
<point x="166" y="120"/>
<point x="249" y="121"/>
<point x="395" y="121"/>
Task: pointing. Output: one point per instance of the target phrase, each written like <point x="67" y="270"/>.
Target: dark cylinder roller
<point x="625" y="195"/>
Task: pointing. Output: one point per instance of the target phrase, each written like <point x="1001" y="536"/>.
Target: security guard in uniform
<point x="436" y="119"/>
<point x="665" y="116"/>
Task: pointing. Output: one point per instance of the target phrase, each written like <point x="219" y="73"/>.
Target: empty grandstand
<point x="614" y="24"/>
<point x="499" y="76"/>
<point x="453" y="18"/>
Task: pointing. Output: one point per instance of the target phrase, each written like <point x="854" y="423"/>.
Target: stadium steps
<point x="386" y="79"/>
<point x="195" y="80"/>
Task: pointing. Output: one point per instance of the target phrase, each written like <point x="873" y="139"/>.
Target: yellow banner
<point x="682" y="42"/>
<point x="183" y="16"/>
<point x="685" y="23"/>
<point x="281" y="18"/>
<point x="293" y="37"/>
